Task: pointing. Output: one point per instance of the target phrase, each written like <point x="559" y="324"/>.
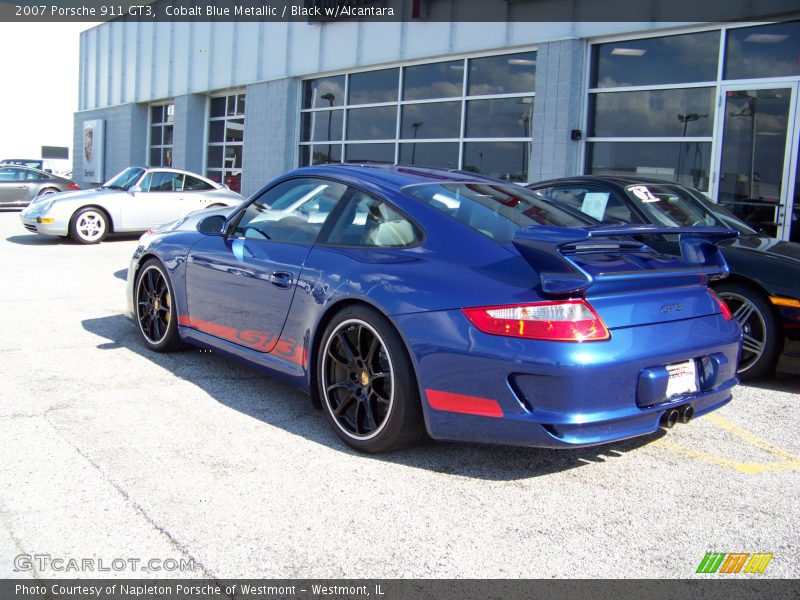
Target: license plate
<point x="682" y="378"/>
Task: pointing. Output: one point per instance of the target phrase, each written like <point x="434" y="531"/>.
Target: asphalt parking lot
<point x="111" y="452"/>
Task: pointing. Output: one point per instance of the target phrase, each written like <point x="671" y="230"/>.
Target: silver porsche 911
<point x="135" y="200"/>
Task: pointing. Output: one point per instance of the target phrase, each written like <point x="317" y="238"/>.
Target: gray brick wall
<point x="270" y="132"/>
<point x="557" y="109"/>
<point x="188" y="132"/>
<point x="125" y="139"/>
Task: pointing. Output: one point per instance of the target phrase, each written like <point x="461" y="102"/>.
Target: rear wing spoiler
<point x="549" y="249"/>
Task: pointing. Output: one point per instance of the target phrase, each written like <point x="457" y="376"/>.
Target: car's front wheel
<point x="89" y="226"/>
<point x="366" y="382"/>
<point x="763" y="342"/>
<point x="154" y="307"/>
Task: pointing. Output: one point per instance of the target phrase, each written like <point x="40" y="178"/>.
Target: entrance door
<point x="757" y="159"/>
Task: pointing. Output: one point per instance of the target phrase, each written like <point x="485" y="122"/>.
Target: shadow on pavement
<point x="33" y="239"/>
<point x="282" y="405"/>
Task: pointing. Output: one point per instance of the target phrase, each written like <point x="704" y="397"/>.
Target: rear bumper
<point x="483" y="388"/>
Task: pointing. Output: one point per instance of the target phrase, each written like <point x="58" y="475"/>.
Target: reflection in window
<point x="506" y="74"/>
<point x="505" y="117"/>
<point x="673" y="113"/>
<point x="427" y="102"/>
<point x="765" y="51"/>
<point x="437" y="80"/>
<point x="320" y="154"/>
<point x="504" y="160"/>
<point x="430" y="121"/>
<point x="376" y="123"/>
<point x="161" y="120"/>
<point x="383" y="153"/>
<point x="226" y="140"/>
<point x="324" y="92"/>
<point x="322" y="125"/>
<point x="672" y="59"/>
<point x="373" y="87"/>
<point x="687" y="163"/>
<point x="431" y="154"/>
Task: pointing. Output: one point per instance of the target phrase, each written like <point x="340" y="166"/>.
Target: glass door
<point x="757" y="155"/>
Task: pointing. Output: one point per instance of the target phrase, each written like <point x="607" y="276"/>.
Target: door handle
<point x="22" y="186"/>
<point x="281" y="279"/>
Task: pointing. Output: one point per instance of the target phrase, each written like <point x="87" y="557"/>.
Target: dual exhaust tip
<point x="683" y="414"/>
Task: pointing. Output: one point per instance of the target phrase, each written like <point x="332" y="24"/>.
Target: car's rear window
<point x="494" y="210"/>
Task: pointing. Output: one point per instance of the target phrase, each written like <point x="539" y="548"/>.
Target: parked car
<point x="763" y="289"/>
<point x="20" y="185"/>
<point x="33" y="163"/>
<point x="137" y="199"/>
<point x="404" y="299"/>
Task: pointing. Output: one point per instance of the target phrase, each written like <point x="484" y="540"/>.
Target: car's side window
<point x="7" y="174"/>
<point x="367" y="221"/>
<point x="193" y="184"/>
<point x="597" y="202"/>
<point x="163" y="181"/>
<point x="292" y="211"/>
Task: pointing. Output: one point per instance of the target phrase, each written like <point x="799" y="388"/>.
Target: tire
<point x="47" y="191"/>
<point x="89" y="226"/>
<point x="366" y="382"/>
<point x="763" y="339"/>
<point x="154" y="308"/>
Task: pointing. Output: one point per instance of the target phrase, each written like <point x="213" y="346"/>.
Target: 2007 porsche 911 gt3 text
<point x="407" y="300"/>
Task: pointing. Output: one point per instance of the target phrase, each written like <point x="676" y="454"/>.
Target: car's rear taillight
<point x="74" y="186"/>
<point x="564" y="321"/>
<point x="726" y="311"/>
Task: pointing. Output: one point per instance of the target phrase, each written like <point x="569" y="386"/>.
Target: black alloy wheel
<point x="763" y="343"/>
<point x="366" y="382"/>
<point x="155" y="310"/>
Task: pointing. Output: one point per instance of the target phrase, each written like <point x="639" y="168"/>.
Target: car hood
<point x="76" y="195"/>
<point x="761" y="244"/>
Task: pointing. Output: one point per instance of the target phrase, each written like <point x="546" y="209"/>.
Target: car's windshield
<point x="495" y="210"/>
<point x="125" y="180"/>
<point x="674" y="206"/>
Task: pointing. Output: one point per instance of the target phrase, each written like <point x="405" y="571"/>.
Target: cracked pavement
<point x="110" y="451"/>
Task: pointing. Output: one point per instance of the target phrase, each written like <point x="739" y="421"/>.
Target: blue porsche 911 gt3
<point x="406" y="299"/>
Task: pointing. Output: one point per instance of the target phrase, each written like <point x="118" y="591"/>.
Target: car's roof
<point x="396" y="176"/>
<point x="621" y="180"/>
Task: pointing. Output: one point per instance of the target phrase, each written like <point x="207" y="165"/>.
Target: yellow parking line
<point x="750" y="438"/>
<point x="786" y="462"/>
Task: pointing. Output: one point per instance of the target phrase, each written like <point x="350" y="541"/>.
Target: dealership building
<point x="713" y="104"/>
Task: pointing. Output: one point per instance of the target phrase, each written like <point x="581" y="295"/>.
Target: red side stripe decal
<point x="460" y="403"/>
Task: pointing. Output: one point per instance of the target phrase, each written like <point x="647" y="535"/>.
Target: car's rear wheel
<point x="154" y="307"/>
<point x="763" y="341"/>
<point x="89" y="226"/>
<point x="47" y="191"/>
<point x="366" y="382"/>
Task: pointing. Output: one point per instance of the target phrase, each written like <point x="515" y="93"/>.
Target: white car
<point x="136" y="200"/>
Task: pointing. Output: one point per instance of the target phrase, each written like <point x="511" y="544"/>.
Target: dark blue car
<point x="405" y="299"/>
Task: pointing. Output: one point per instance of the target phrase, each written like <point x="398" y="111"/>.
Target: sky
<point x="39" y="87"/>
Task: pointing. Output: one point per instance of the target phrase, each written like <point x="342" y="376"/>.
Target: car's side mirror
<point x="134" y="190"/>
<point x="212" y="225"/>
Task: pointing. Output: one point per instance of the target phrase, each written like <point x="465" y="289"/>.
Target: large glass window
<point x="765" y="51"/>
<point x="678" y="112"/>
<point x="226" y="140"/>
<point x="437" y="114"/>
<point x="161" y="119"/>
<point x="686" y="162"/>
<point x="661" y="91"/>
<point x="656" y="61"/>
